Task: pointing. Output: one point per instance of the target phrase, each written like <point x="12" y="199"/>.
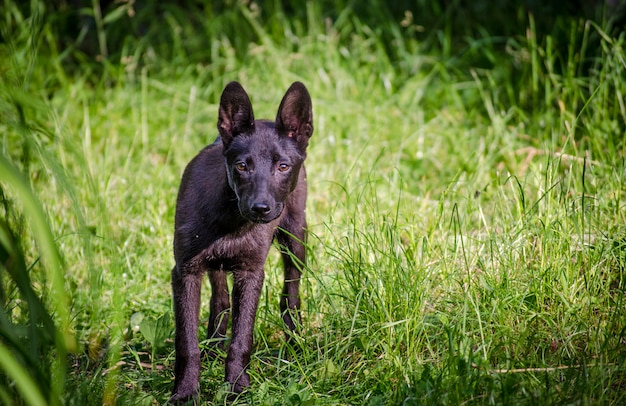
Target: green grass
<point x="466" y="203"/>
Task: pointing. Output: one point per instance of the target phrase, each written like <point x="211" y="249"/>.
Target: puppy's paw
<point x="184" y="394"/>
<point x="238" y="384"/>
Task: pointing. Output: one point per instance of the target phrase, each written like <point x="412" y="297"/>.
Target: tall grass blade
<point x="27" y="387"/>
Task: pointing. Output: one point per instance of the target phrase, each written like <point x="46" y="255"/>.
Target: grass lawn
<point x="466" y="210"/>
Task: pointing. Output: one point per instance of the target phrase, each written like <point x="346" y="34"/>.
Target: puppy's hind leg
<point x="294" y="257"/>
<point x="219" y="310"/>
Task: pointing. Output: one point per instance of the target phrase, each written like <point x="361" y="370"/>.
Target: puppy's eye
<point x="241" y="166"/>
<point x="283" y="167"/>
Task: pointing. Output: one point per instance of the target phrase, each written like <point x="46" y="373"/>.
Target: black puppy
<point x="235" y="197"/>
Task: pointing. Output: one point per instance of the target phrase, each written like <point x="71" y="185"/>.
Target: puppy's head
<point x="263" y="158"/>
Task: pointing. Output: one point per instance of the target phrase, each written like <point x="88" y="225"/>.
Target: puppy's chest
<point x="247" y="249"/>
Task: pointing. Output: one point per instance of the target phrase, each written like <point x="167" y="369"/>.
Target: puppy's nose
<point x="261" y="208"/>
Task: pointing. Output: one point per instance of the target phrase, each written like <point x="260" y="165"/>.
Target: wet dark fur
<point x="235" y="197"/>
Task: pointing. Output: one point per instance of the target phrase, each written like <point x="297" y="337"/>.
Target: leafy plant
<point x="156" y="331"/>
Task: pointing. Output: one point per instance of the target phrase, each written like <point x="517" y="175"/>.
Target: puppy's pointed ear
<point x="235" y="114"/>
<point x="295" y="115"/>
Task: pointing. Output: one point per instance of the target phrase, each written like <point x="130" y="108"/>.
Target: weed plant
<point x="467" y="238"/>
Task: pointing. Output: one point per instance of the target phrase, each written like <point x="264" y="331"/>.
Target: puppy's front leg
<point x="186" y="289"/>
<point x="246" y="292"/>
